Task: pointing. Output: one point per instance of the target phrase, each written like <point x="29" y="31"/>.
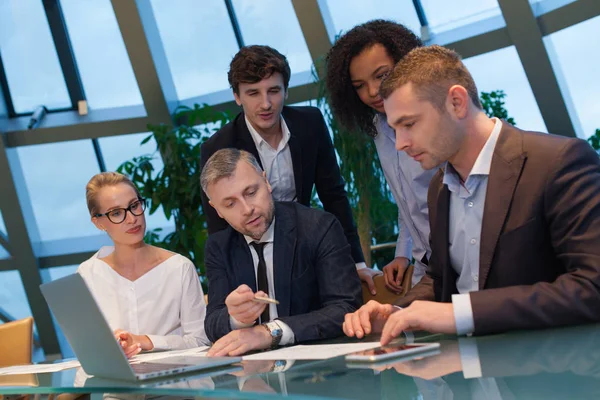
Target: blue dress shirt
<point x="467" y="201"/>
<point x="409" y="184"/>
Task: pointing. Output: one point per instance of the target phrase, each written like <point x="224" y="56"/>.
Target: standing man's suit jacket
<point x="315" y="278"/>
<point x="314" y="161"/>
<point x="540" y="236"/>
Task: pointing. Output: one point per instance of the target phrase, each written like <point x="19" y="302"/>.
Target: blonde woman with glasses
<point x="151" y="297"/>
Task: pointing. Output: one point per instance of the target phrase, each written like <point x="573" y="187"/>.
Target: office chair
<point x="16" y="342"/>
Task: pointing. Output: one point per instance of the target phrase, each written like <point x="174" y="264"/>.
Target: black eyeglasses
<point x="118" y="215"/>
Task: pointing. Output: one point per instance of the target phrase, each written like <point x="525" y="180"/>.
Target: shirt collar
<point x="380" y="122"/>
<point x="483" y="163"/>
<point x="267" y="237"/>
<point x="259" y="141"/>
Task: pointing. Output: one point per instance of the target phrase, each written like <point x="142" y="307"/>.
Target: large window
<point x="101" y="57"/>
<point x="56" y="175"/>
<point x="274" y="23"/>
<point x="13" y="300"/>
<point x="346" y="14"/>
<point x="29" y="57"/>
<point x="502" y="70"/>
<point x="443" y="15"/>
<point x="199" y="43"/>
<point x="576" y="56"/>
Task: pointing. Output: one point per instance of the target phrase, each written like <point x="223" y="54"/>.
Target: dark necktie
<point x="261" y="278"/>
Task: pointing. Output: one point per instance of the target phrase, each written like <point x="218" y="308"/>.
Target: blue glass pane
<point x="443" y="15"/>
<point x="2" y="226"/>
<point x="56" y="175"/>
<point x="274" y="23"/>
<point x="30" y="61"/>
<point x="199" y="43"/>
<point x="577" y="57"/>
<point x="13" y="301"/>
<point x="12" y="295"/>
<point x="502" y="70"/>
<point x="346" y="14"/>
<point x="51" y="274"/>
<point x="101" y="57"/>
<point x="118" y="149"/>
<point x="3" y="253"/>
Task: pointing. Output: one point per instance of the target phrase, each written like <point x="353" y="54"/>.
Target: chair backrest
<point x="16" y="342"/>
<point x="385" y="295"/>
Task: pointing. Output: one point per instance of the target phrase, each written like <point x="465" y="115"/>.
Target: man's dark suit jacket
<point x="314" y="161"/>
<point x="540" y="236"/>
<point x="315" y="278"/>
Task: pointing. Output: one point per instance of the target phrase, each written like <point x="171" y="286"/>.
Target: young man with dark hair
<point x="291" y="144"/>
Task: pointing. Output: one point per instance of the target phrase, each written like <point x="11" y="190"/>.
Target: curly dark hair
<point x="254" y="63"/>
<point x="345" y="104"/>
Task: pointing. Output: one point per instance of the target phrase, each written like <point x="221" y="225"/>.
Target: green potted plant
<point x="176" y="187"/>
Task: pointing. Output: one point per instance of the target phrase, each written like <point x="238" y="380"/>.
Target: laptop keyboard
<point x="146" y="368"/>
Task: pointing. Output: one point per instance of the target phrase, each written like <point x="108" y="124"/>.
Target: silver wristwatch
<point x="275" y="331"/>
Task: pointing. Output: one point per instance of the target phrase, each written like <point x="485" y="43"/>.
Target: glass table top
<point x="558" y="363"/>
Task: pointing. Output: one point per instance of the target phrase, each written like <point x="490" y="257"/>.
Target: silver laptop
<point x="93" y="341"/>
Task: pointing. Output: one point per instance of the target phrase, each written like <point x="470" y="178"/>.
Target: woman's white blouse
<point x="166" y="303"/>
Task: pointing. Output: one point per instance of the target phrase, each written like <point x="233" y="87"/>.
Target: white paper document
<point x="312" y="352"/>
<point x="147" y="357"/>
<point x="38" y="368"/>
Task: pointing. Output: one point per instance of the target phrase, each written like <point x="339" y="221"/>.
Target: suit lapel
<point x="284" y="247"/>
<point x="244" y="138"/>
<point x="507" y="164"/>
<point x="243" y="264"/>
<point x="296" y="151"/>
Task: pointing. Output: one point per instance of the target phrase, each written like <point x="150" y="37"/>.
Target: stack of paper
<point x="312" y="352"/>
<point x="38" y="368"/>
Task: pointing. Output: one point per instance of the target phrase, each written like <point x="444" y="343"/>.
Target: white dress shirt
<point x="467" y="202"/>
<point x="278" y="166"/>
<point x="166" y="303"/>
<point x="277" y="163"/>
<point x="288" y="336"/>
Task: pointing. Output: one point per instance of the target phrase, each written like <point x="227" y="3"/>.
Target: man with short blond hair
<point x="514" y="215"/>
<point x="281" y="250"/>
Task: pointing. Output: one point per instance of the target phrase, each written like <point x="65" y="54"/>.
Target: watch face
<point x="276" y="332"/>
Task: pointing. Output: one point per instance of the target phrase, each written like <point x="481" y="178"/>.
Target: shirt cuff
<point x="404" y="248"/>
<point x="463" y="313"/>
<point x="235" y="324"/>
<point x="469" y="358"/>
<point x="288" y="336"/>
<point x="361" y="265"/>
<point x="159" y="342"/>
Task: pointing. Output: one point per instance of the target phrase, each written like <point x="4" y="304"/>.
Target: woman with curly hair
<point x="356" y="65"/>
